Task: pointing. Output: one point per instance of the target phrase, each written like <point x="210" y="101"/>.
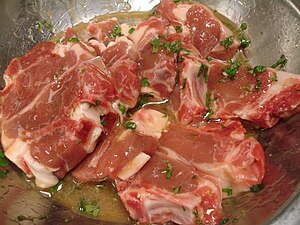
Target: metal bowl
<point x="275" y="29"/>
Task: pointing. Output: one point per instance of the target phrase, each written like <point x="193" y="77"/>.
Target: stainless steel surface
<point x="275" y="29"/>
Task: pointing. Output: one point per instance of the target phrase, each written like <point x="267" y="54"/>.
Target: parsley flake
<point x="280" y="63"/>
<point x="88" y="208"/>
<point x="208" y="104"/>
<point x="227" y="42"/>
<point x="168" y="171"/>
<point x="243" y="26"/>
<point x="131" y="30"/>
<point x="122" y="108"/>
<point x="176" y="190"/>
<point x="73" y="39"/>
<point x="227" y="190"/>
<point x="145" y="82"/>
<point x="129" y="125"/>
<point x="116" y="32"/>
<point x="257" y="188"/>
<point x="178" y="29"/>
<point x="195" y="212"/>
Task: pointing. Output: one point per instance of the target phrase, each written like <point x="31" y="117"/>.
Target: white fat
<point x="44" y="177"/>
<point x="125" y="28"/>
<point x="85" y="110"/>
<point x="59" y="50"/>
<point x="20" y="155"/>
<point x="180" y="12"/>
<point x="133" y="166"/>
<point x="98" y="44"/>
<point x="150" y="122"/>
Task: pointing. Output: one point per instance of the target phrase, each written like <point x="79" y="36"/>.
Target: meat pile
<point x="90" y="102"/>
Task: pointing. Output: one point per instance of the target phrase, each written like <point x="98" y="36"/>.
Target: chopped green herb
<point x="73" y="39"/>
<point x="83" y="71"/>
<point x="116" y="32"/>
<point x="43" y="217"/>
<point x="98" y="102"/>
<point x="145" y="82"/>
<point x="194" y="177"/>
<point x="3" y="160"/>
<point x="178" y="29"/>
<point x="129" y="125"/>
<point x="235" y="220"/>
<point x="224" y="221"/>
<point x="259" y="69"/>
<point x="90" y="209"/>
<point x="184" y="83"/>
<point x="209" y="58"/>
<point x="231" y="69"/>
<point x="47" y="24"/>
<point x="203" y="68"/>
<point x="176" y="1"/>
<point x="208" y="104"/>
<point x="122" y="108"/>
<point x="56" y="188"/>
<point x="257" y="188"/>
<point x="3" y="173"/>
<point x="67" y="220"/>
<point x="22" y="218"/>
<point x="144" y="99"/>
<point x="280" y="63"/>
<point x="243" y="26"/>
<point x="155" y="45"/>
<point x="195" y="212"/>
<point x="247" y="87"/>
<point x="245" y="42"/>
<point x="131" y="30"/>
<point x="227" y="190"/>
<point x="227" y="42"/>
<point x="274" y="78"/>
<point x="38" y="27"/>
<point x="168" y="171"/>
<point x="258" y="84"/>
<point x="176" y="190"/>
<point x="103" y="123"/>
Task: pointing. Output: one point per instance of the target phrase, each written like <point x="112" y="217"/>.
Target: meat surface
<point x="157" y="67"/>
<point x="218" y="149"/>
<point x="168" y="190"/>
<point x="120" y="148"/>
<point x="262" y="97"/>
<point x="203" y="28"/>
<point x="53" y="119"/>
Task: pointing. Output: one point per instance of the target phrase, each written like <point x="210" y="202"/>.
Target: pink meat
<point x="121" y="59"/>
<point x="121" y="146"/>
<point x="218" y="149"/>
<point x="102" y="30"/>
<point x="203" y="28"/>
<point x="187" y="197"/>
<point x="262" y="99"/>
<point x="50" y="111"/>
<point x="158" y="68"/>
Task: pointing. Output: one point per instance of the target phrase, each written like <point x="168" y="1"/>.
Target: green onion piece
<point x="97" y="103"/>
<point x="122" y="108"/>
<point x="145" y="82"/>
<point x="129" y="125"/>
<point x="258" y="85"/>
<point x="208" y="104"/>
<point x="116" y="32"/>
<point x="131" y="30"/>
<point x="274" y="78"/>
<point x="73" y="39"/>
<point x="224" y="221"/>
<point x="227" y="190"/>
<point x="245" y="42"/>
<point x="47" y="24"/>
<point x="257" y="188"/>
<point x="168" y="171"/>
<point x="3" y="160"/>
<point x="195" y="212"/>
<point x="176" y="1"/>
<point x="144" y="99"/>
<point x="178" y="29"/>
<point x="227" y="42"/>
<point x="155" y="45"/>
<point x="243" y="26"/>
<point x="176" y="190"/>
<point x="103" y="123"/>
<point x="280" y="63"/>
<point x="259" y="69"/>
